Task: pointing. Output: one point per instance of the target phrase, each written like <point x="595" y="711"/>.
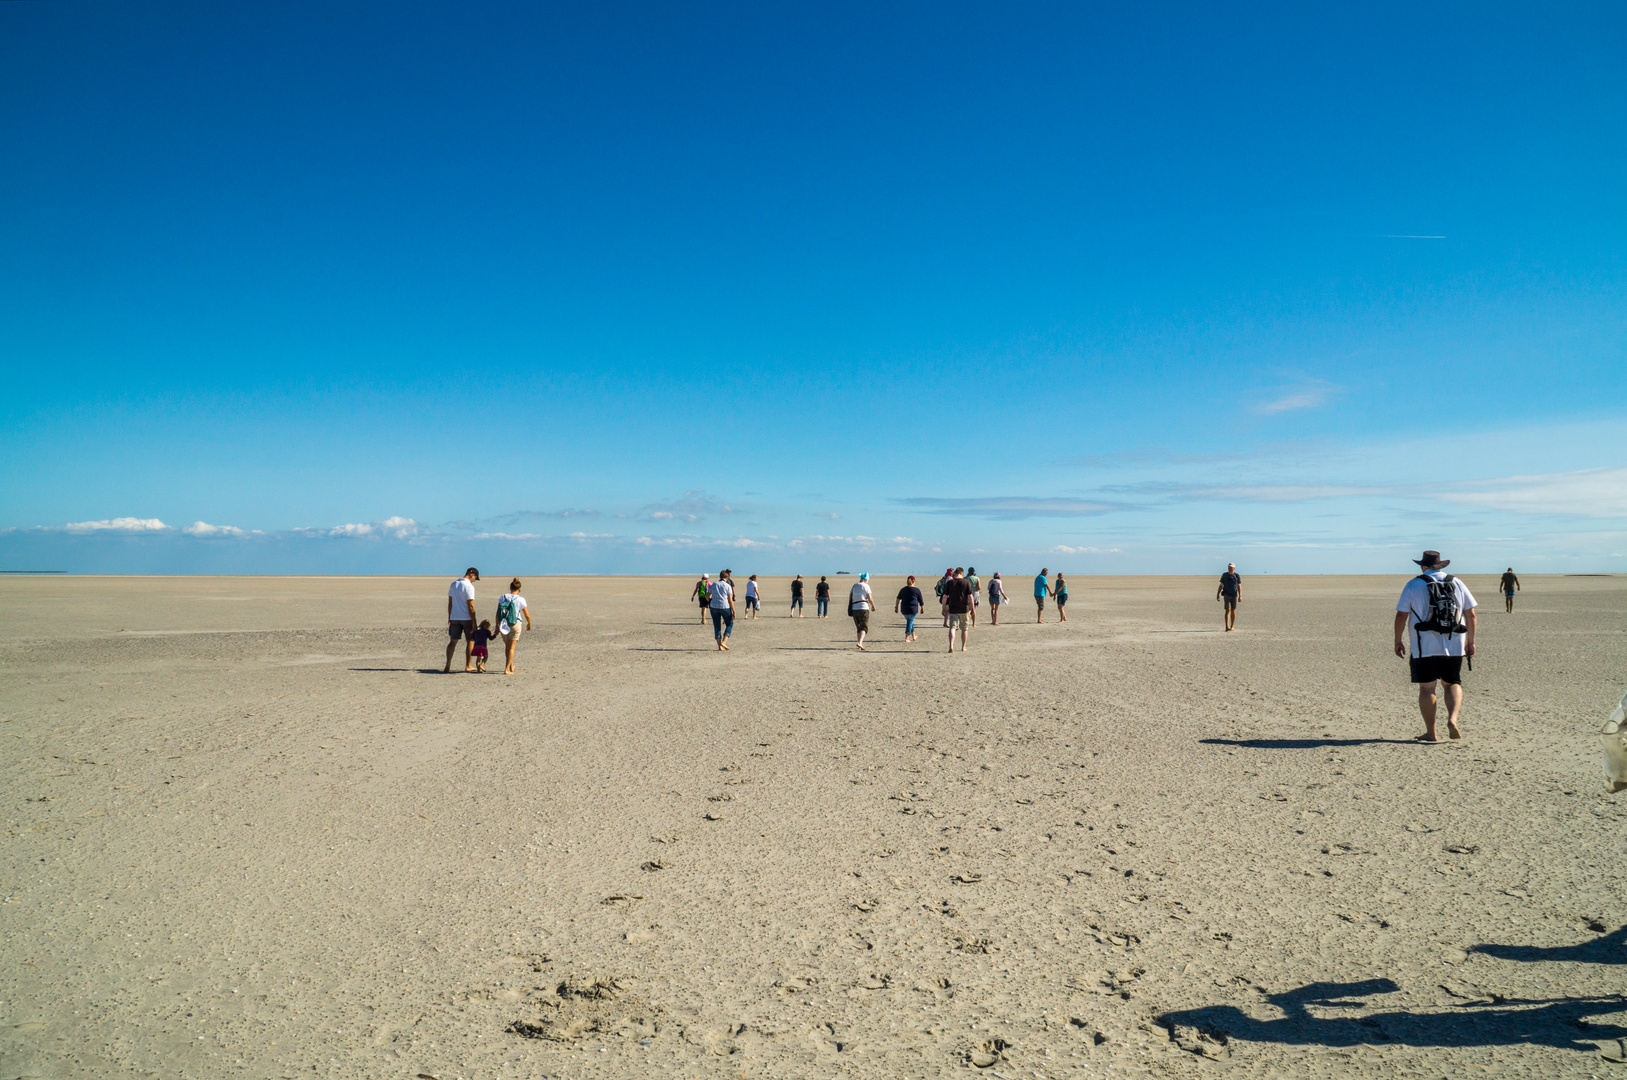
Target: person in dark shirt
<point x="909" y="604"/>
<point x="822" y="597"/>
<point x="796" y="598"/>
<point x="481" y="638"/>
<point x="1511" y="585"/>
<point x="957" y="603"/>
<point x="1231" y="590"/>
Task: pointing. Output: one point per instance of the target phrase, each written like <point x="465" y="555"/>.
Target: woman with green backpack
<point x="511" y="609"/>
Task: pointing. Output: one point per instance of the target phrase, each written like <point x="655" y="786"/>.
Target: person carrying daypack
<point x="1435" y="624"/>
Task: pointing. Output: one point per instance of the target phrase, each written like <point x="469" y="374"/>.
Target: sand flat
<point x="250" y="830"/>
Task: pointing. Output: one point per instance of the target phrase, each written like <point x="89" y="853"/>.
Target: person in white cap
<point x="1435" y="622"/>
<point x="860" y="603"/>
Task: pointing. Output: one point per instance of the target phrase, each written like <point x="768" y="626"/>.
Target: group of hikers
<point x="959" y="592"/>
<point x="1435" y="619"/>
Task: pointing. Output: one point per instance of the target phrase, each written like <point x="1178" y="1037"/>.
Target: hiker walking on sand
<point x="721" y="602"/>
<point x="511" y="609"/>
<point x="754" y="600"/>
<point x="703" y="593"/>
<point x="796" y="598"/>
<point x="909" y="604"/>
<point x="1230" y="588"/>
<point x="938" y="590"/>
<point x="1042" y="589"/>
<point x="822" y="597"/>
<point x="977" y="590"/>
<point x="1061" y="594"/>
<point x="997" y="597"/>
<point x="1511" y="585"/>
<point x="1435" y="617"/>
<point x="460" y="618"/>
<point x="957" y="603"/>
<point x="860" y="603"/>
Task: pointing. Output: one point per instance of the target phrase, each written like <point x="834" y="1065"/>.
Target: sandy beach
<point x="251" y="830"/>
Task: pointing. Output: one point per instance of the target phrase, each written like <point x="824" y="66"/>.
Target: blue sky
<point x="655" y="288"/>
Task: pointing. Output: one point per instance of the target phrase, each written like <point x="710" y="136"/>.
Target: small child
<point x="480" y="637"/>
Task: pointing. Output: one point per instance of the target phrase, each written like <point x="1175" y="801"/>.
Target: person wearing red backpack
<point x="1435" y="623"/>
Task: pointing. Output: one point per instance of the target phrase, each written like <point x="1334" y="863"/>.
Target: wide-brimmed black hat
<point x="1431" y="560"/>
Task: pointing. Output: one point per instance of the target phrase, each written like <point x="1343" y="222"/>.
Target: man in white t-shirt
<point x="721" y="602"/>
<point x="860" y="603"/>
<point x="1435" y="621"/>
<point x="460" y="618"/>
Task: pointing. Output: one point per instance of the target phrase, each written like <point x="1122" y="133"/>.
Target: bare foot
<point x="863" y="649"/>
<point x="1426" y="738"/>
<point x="1452" y="730"/>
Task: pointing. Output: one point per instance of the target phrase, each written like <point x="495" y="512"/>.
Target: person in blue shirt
<point x="909" y="604"/>
<point x="1042" y="589"/>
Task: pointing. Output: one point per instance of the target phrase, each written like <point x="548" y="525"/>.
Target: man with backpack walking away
<point x="1231" y="589"/>
<point x="1435" y="620"/>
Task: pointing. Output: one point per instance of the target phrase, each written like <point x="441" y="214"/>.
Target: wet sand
<point x="250" y="830"/>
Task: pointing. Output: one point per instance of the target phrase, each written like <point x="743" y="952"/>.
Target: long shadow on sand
<point x="1300" y="744"/>
<point x="420" y="670"/>
<point x="1556" y="1022"/>
<point x="1608" y="948"/>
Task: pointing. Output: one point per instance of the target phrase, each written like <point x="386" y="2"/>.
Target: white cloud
<point x="1017" y="508"/>
<point x="855" y="543"/>
<point x="399" y="528"/>
<point x="592" y="536"/>
<point x="1063" y="549"/>
<point x="829" y="516"/>
<point x="698" y="542"/>
<point x="1309" y="396"/>
<point x="663" y="515"/>
<point x="1598" y="493"/>
<point x="203" y="528"/>
<point x="123" y="524"/>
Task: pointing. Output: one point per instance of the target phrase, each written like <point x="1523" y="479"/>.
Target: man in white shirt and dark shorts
<point x="1435" y="620"/>
<point x="460" y="618"/>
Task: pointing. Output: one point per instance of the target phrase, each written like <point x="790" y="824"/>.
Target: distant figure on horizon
<point x="1061" y="594"/>
<point x="1439" y="611"/>
<point x="909" y="604"/>
<point x="1042" y="589"/>
<point x="796" y="598"/>
<point x="1231" y="590"/>
<point x="1511" y="585"/>
<point x="721" y="601"/>
<point x="957" y="605"/>
<point x="460" y="618"/>
<point x="511" y="611"/>
<point x="997" y="597"/>
<point x="754" y="600"/>
<point x="822" y="597"/>
<point x="977" y="590"/>
<point x="860" y="603"/>
<point x="703" y="593"/>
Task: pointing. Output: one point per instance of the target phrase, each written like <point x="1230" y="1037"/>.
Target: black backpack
<point x="1445" y="617"/>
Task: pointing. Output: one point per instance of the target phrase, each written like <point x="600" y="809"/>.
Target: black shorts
<point x="796" y="601"/>
<point x="1447" y="669"/>
<point x="1231" y="601"/>
<point x="456" y="628"/>
<point x="1061" y="599"/>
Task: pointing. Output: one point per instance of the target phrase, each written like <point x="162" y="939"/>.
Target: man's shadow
<point x="1608" y="948"/>
<point x="1298" y="744"/>
<point x="1557" y="1022"/>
